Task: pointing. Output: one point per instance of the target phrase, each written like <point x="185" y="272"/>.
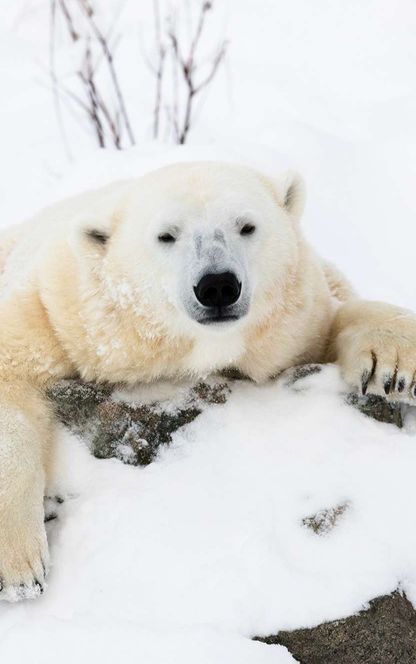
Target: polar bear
<point x="191" y="269"/>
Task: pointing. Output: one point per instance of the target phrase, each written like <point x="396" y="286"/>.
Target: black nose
<point x="218" y="290"/>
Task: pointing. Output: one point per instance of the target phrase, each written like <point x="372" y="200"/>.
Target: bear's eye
<point x="166" y="238"/>
<point x="247" y="229"/>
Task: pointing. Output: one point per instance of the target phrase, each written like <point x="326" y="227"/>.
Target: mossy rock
<point x="384" y="633"/>
<point x="134" y="433"/>
<point x="378" y="408"/>
<point x="322" y="522"/>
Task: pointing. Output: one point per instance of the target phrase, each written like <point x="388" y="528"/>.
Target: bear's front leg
<point x="375" y="345"/>
<point x="25" y="432"/>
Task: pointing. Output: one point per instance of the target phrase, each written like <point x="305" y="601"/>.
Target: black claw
<point x="387" y="384"/>
<point x="39" y="585"/>
<point x="1" y="585"/>
<point x="367" y="375"/>
<point x="365" y="379"/>
<point x="401" y="385"/>
<point x="394" y="382"/>
<point x="45" y="569"/>
<point x="414" y="392"/>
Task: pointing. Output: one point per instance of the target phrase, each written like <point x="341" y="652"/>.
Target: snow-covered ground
<point x="185" y="560"/>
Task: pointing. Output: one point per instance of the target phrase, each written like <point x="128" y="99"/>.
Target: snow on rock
<point x="209" y="540"/>
<point x="324" y="521"/>
<point x="131" y="427"/>
<point x="384" y="633"/>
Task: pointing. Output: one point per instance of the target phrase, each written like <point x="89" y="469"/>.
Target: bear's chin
<point x="218" y="321"/>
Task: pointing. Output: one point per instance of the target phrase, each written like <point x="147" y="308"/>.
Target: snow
<point x="206" y="547"/>
<point x="86" y="642"/>
<point x="187" y="559"/>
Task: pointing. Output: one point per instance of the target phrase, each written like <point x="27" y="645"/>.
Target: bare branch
<point x="108" y="122"/>
<point x="215" y="64"/>
<point x="110" y="62"/>
<point x="69" y="21"/>
<point x="52" y="70"/>
<point x="161" y="52"/>
<point x="94" y="91"/>
<point x="87" y="7"/>
<point x="87" y="77"/>
<point x="188" y="66"/>
<point x="205" y="7"/>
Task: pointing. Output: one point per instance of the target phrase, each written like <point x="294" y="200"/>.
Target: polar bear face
<point x="204" y="245"/>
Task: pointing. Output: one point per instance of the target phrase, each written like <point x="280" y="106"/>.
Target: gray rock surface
<point x="378" y="408"/>
<point x="325" y="520"/>
<point x="131" y="432"/>
<point x="385" y="633"/>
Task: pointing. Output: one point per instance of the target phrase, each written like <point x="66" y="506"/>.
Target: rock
<point x="134" y="432"/>
<point x="325" y="520"/>
<point x="291" y="376"/>
<point x="378" y="408"/>
<point x="385" y="633"/>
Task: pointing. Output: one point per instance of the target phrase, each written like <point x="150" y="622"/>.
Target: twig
<point x="52" y="70"/>
<point x="107" y="122"/>
<point x="87" y="77"/>
<point x="70" y="24"/>
<point x="161" y="51"/>
<point x="188" y="66"/>
<point x="113" y="74"/>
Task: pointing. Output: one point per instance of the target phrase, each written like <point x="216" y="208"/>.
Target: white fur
<point x="126" y="311"/>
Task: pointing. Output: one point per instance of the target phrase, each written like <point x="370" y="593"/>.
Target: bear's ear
<point x="291" y="193"/>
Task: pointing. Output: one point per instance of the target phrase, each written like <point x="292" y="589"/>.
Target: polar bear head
<point x="204" y="245"/>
